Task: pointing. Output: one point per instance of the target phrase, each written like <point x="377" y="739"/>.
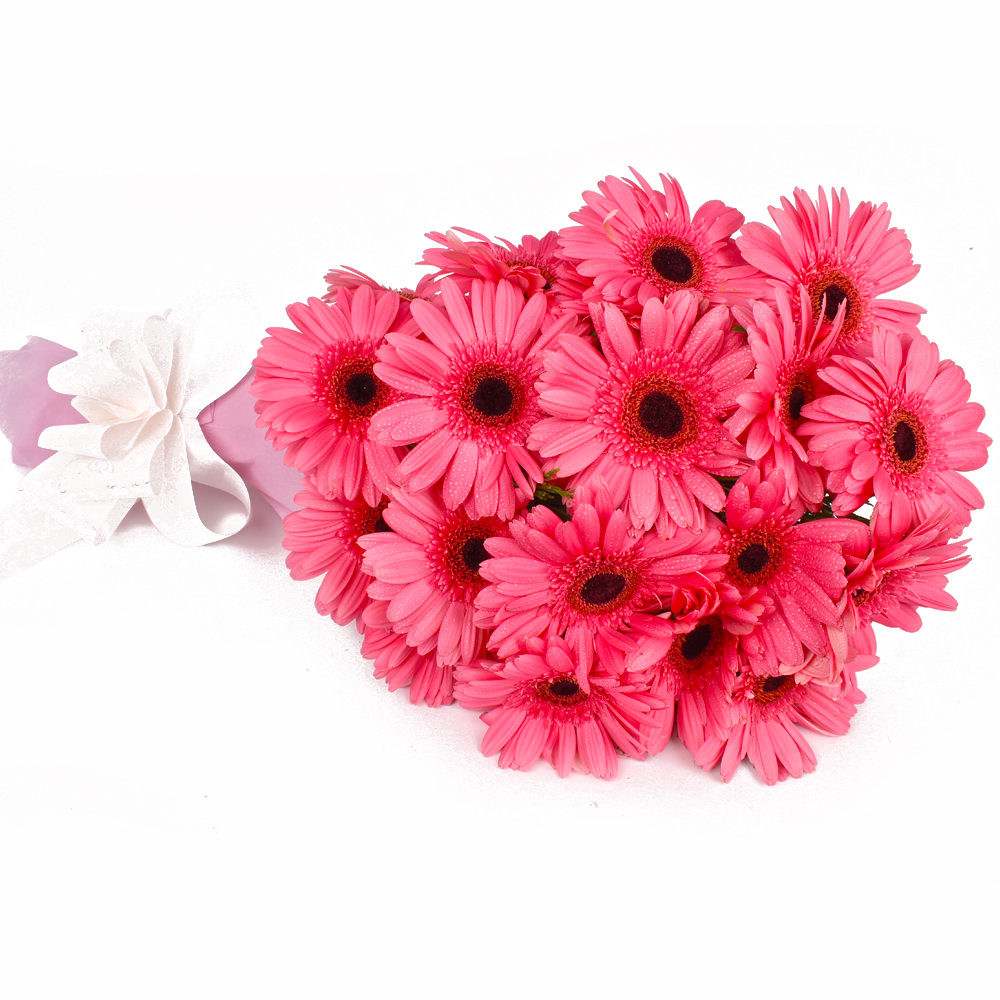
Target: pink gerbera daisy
<point x="899" y="425"/>
<point x="317" y="391"/>
<point x="797" y="570"/>
<point x="323" y="538"/>
<point x="767" y="710"/>
<point x="590" y="580"/>
<point x="400" y="665"/>
<point x="696" y="674"/>
<point x="532" y="264"/>
<point x="535" y="707"/>
<point x="473" y="380"/>
<point x="893" y="572"/>
<point x="428" y="568"/>
<point x="647" y="417"/>
<point x="788" y="354"/>
<point x="352" y="279"/>
<point x="840" y="257"/>
<point x="638" y="243"/>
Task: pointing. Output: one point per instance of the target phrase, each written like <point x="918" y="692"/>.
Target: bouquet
<point x="636" y="476"/>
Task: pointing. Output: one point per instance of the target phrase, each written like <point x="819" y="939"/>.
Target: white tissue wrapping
<point x="141" y="383"/>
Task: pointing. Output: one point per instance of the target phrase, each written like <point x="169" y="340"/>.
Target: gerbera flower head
<point x="768" y="710"/>
<point x="590" y="580"/>
<point x="532" y="265"/>
<point x="400" y="665"/>
<point x="647" y="416"/>
<point x="637" y="243"/>
<point x="322" y="538"/>
<point x="317" y="391"/>
<point x="473" y="383"/>
<point x="694" y="679"/>
<point x="898" y="426"/>
<point x="796" y="569"/>
<point x="893" y="572"/>
<point x="840" y="257"/>
<point x="788" y="353"/>
<point x="428" y="568"/>
<point x="351" y="278"/>
<point x="536" y="707"/>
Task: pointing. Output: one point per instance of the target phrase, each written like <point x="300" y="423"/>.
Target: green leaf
<point x="549" y="494"/>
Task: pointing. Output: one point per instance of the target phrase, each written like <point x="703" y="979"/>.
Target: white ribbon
<point x="141" y="383"/>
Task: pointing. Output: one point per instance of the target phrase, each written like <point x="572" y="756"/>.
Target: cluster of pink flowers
<point x="637" y="476"/>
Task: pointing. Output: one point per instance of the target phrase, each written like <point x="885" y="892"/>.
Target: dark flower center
<point x="660" y="414"/>
<point x="372" y="519"/>
<point x="904" y="441"/>
<point x="602" y="588"/>
<point x="459" y="551"/>
<point x="753" y="559"/>
<point x="770" y="689"/>
<point x="563" y="687"/>
<point x="672" y="263"/>
<point x="361" y="388"/>
<point x="492" y="397"/>
<point x="473" y="553"/>
<point x="696" y="642"/>
<point x="796" y="400"/>
<point x="834" y="296"/>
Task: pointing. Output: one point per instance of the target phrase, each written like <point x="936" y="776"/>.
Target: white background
<point x="203" y="792"/>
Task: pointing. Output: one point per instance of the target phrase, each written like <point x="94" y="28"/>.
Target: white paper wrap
<point x="141" y="383"/>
